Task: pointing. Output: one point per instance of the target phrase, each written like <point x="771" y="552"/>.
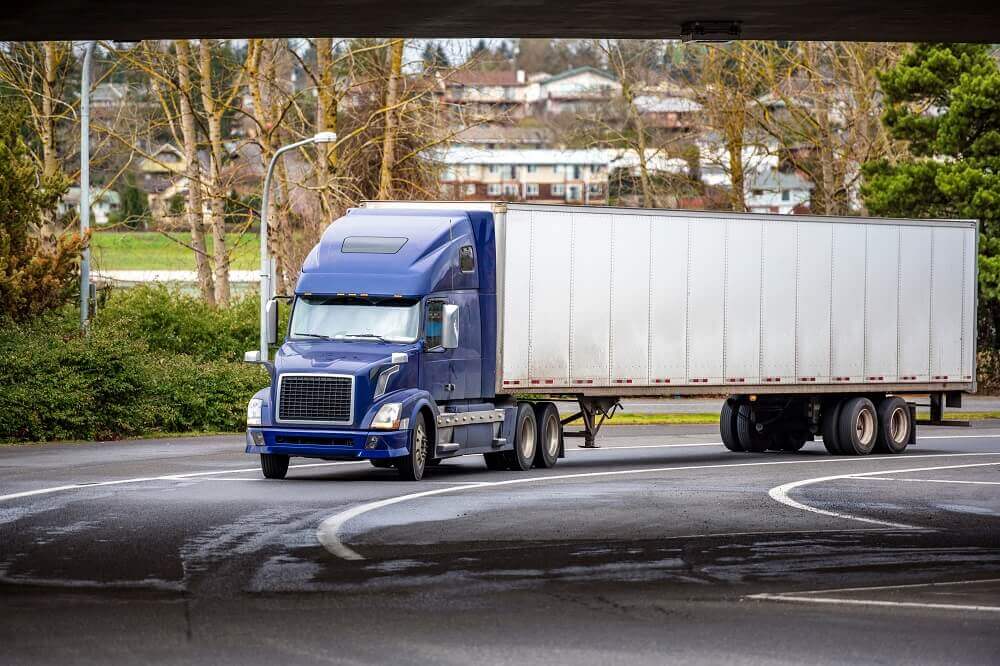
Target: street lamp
<point x="88" y="56"/>
<point x="267" y="272"/>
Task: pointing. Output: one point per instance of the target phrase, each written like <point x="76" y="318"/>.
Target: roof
<point x="469" y="155"/>
<point x="580" y="70"/>
<point x="476" y="77"/>
<point x="657" y="104"/>
<point x="774" y="180"/>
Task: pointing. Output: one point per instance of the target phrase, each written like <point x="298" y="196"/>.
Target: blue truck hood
<point x="333" y="356"/>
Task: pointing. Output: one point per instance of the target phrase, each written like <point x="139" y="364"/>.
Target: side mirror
<point x="399" y="357"/>
<point x="271" y="315"/>
<point x="252" y="356"/>
<point x="449" y="326"/>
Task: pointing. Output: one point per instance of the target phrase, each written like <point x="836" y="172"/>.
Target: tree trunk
<point x="216" y="192"/>
<point x="391" y="120"/>
<point x="194" y="211"/>
<point x="50" y="158"/>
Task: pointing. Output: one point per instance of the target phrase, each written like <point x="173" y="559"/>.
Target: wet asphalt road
<point x="658" y="547"/>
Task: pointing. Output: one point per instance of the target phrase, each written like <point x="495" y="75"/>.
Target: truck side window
<point x="466" y="259"/>
<point x="433" y="328"/>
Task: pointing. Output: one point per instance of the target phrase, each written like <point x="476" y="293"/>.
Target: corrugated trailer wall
<point x="681" y="302"/>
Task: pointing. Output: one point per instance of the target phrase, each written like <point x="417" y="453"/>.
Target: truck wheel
<point x="381" y="463"/>
<point x="550" y="435"/>
<point x="894" y="425"/>
<point x="727" y="426"/>
<point x="746" y="429"/>
<point x="831" y="417"/>
<point x="525" y="439"/>
<point x="273" y="465"/>
<point x="495" y="461"/>
<point x="411" y="467"/>
<point x="858" y="427"/>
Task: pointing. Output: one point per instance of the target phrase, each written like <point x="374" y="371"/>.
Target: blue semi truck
<point x="423" y="331"/>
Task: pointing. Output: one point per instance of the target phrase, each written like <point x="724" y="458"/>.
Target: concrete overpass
<point x="857" y="20"/>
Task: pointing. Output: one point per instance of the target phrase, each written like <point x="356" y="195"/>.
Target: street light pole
<point x="88" y="56"/>
<point x="267" y="267"/>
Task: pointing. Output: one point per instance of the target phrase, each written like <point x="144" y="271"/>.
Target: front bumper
<point x="329" y="444"/>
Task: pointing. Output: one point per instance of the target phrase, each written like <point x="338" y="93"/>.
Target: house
<point x="773" y="191"/>
<point x="103" y="204"/>
<point x="514" y="94"/>
<point x="540" y="176"/>
<point x="576" y="90"/>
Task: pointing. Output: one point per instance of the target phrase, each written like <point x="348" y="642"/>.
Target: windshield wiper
<point x="313" y="335"/>
<point x="367" y="336"/>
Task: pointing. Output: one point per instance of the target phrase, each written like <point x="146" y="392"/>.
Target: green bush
<point x="178" y="323"/>
<point x="112" y="383"/>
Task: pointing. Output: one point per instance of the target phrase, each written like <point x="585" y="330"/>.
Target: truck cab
<point x="390" y="353"/>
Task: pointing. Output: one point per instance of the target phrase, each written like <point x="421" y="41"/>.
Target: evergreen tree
<point x="33" y="279"/>
<point x="943" y="101"/>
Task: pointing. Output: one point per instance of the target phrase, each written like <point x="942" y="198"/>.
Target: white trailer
<point x="811" y="324"/>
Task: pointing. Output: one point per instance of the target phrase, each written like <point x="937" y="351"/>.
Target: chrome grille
<point x="319" y="398"/>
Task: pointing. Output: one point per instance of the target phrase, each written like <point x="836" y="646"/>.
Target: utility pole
<point x="88" y="56"/>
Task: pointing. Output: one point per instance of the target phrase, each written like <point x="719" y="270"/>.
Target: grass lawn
<point x="150" y="250"/>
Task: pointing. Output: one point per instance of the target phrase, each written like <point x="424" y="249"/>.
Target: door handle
<point x="449" y="387"/>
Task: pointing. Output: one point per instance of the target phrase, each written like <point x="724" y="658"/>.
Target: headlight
<point x="254" y="408"/>
<point x="387" y="417"/>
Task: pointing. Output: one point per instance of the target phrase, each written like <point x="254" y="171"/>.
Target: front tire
<point x="550" y="435"/>
<point x="894" y="425"/>
<point x="274" y="465"/>
<point x="411" y="467"/>
<point x="525" y="439"/>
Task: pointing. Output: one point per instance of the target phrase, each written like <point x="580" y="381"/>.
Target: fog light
<point x="372" y="442"/>
<point x="257" y="436"/>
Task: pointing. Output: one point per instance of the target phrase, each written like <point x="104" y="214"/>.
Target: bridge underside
<point x="856" y="20"/>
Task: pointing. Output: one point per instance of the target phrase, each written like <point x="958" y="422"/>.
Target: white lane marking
<point x="971" y="483"/>
<point x="808" y="596"/>
<point x="328" y="530"/>
<point x="874" y="602"/>
<point x="780" y="493"/>
<point x="165" y="477"/>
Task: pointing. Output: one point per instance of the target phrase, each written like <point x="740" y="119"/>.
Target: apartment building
<point x="540" y="176"/>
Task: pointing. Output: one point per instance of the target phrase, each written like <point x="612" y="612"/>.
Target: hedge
<point x="141" y="370"/>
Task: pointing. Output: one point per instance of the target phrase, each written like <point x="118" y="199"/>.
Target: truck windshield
<point x="351" y="318"/>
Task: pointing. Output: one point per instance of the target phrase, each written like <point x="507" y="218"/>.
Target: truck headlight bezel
<point x="388" y="416"/>
<point x="255" y="409"/>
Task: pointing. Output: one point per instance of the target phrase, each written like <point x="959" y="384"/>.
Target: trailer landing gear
<point x="590" y="409"/>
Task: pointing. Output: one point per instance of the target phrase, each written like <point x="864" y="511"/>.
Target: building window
<point x="532" y="168"/>
<point x="493" y="168"/>
<point x="494" y="189"/>
<point x="531" y="189"/>
<point x="470" y="189"/>
<point x="510" y="190"/>
<point x="786" y="195"/>
<point x="558" y="190"/>
<point x="559" y="168"/>
<point x="594" y="188"/>
<point x="758" y="193"/>
<point x="577" y="173"/>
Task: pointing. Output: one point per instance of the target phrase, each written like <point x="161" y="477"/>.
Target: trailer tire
<point x="550" y="435"/>
<point x="858" y="427"/>
<point x="525" y="439"/>
<point x="894" y="425"/>
<point x="728" y="427"/>
<point x="274" y="465"/>
<point x="750" y="439"/>
<point x="411" y="466"/>
<point x="831" y="436"/>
